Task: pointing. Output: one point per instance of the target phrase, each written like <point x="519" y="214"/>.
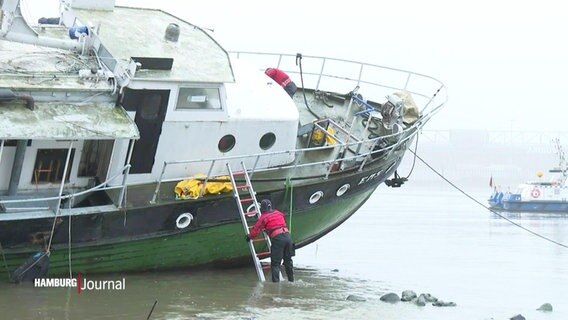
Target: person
<point x="282" y="247"/>
<point x="282" y="79"/>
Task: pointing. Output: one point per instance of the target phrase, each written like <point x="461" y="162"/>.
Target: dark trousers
<point x="282" y="248"/>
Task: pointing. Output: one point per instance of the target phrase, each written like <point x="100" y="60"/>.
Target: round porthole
<point x="226" y="143"/>
<point x="341" y="191"/>
<point x="316" y="197"/>
<point x="267" y="141"/>
<point x="184" y="220"/>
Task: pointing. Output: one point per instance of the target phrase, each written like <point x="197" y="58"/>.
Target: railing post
<point x="254" y="166"/>
<point x="157" y="191"/>
<point x="125" y="177"/>
<point x="202" y="190"/>
<point x="63" y="178"/>
<point x="320" y="75"/>
<point x="360" y="74"/>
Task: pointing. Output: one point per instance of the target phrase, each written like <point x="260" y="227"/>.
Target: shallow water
<point x="427" y="238"/>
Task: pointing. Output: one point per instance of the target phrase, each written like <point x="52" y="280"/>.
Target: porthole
<point x="226" y="143"/>
<point x="183" y="220"/>
<point x="341" y="191"/>
<point x="267" y="141"/>
<point x="316" y="197"/>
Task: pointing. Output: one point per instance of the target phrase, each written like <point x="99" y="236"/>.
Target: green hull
<point x="223" y="244"/>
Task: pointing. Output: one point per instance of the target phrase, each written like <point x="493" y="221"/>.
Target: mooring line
<point x="486" y="207"/>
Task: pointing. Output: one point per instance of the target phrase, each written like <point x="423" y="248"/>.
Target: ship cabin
<point x="116" y="92"/>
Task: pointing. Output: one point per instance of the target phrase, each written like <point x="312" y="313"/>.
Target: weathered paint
<point x="219" y="244"/>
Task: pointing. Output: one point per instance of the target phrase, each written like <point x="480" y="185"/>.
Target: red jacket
<point x="278" y="75"/>
<point x="269" y="221"/>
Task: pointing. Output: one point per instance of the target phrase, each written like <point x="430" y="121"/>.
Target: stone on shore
<point x="441" y="303"/>
<point x="390" y="298"/>
<point x="355" y="298"/>
<point x="408" y="295"/>
<point x="518" y="317"/>
<point x="421" y="300"/>
<point x="547" y="307"/>
<point x="430" y="298"/>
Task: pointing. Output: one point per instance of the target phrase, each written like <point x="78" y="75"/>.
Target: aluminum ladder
<point x="244" y="194"/>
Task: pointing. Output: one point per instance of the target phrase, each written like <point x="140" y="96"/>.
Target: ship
<point x="117" y="146"/>
<point x="537" y="195"/>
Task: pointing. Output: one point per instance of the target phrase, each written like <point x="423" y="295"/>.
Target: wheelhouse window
<point x="199" y="99"/>
<point x="49" y="165"/>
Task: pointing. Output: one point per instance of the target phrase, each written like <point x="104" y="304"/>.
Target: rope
<point x="413" y="160"/>
<point x="5" y="263"/>
<point x="486" y="207"/>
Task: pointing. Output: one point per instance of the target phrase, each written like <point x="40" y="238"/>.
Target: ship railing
<point x="359" y="159"/>
<point x="334" y="75"/>
<point x="100" y="187"/>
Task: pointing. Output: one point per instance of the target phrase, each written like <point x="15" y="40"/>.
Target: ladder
<point x="244" y="194"/>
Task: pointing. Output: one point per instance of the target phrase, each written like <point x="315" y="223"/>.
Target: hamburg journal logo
<point x="82" y="284"/>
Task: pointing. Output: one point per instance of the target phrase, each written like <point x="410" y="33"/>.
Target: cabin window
<point x="49" y="165"/>
<point x="226" y="143"/>
<point x="199" y="98"/>
<point x="267" y="141"/>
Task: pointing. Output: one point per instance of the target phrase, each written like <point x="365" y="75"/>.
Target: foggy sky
<point x="503" y="62"/>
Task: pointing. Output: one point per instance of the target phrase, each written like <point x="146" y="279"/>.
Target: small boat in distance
<point x="122" y="131"/>
<point x="537" y="196"/>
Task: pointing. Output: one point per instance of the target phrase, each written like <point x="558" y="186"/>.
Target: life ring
<point x="535" y="193"/>
<point x="184" y="220"/>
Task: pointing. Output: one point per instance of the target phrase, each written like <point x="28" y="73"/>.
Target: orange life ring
<point x="535" y="193"/>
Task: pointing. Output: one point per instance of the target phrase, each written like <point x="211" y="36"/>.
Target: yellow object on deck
<point x="317" y="136"/>
<point x="190" y="188"/>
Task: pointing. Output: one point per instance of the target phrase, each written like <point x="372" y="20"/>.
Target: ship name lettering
<point x="369" y="178"/>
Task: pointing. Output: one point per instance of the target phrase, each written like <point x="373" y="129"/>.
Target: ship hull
<point x="147" y="238"/>
<point x="531" y="206"/>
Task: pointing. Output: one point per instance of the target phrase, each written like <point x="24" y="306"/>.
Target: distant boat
<point x="119" y="127"/>
<point x="537" y="196"/>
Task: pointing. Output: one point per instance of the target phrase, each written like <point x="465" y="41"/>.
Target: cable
<point x="413" y="160"/>
<point x="486" y="207"/>
<point x="299" y="63"/>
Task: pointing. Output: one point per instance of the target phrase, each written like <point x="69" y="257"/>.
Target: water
<point x="427" y="238"/>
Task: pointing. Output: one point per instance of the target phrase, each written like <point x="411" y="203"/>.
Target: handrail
<point x="73" y="195"/>
<point x="325" y="61"/>
<point x="415" y="127"/>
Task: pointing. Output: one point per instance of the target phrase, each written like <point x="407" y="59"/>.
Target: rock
<point x="421" y="301"/>
<point x="430" y="298"/>
<point x="335" y="270"/>
<point x="441" y="303"/>
<point x="408" y="295"/>
<point x="390" y="298"/>
<point x="518" y="317"/>
<point x="355" y="298"/>
<point x="547" y="307"/>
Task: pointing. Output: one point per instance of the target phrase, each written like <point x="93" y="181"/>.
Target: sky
<point x="504" y="63"/>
